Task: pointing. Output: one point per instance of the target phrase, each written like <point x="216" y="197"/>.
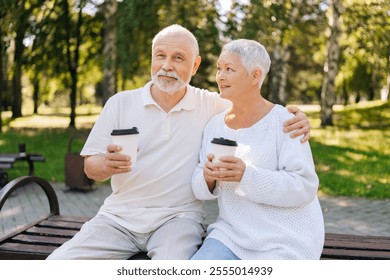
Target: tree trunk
<point x="35" y="94"/>
<point x="110" y="50"/>
<point x="371" y="87"/>
<point x="345" y="93"/>
<point x="280" y="61"/>
<point x="2" y="76"/>
<point x="385" y="94"/>
<point x="17" y="68"/>
<point x="328" y="95"/>
<point x="278" y="77"/>
<point x="73" y="56"/>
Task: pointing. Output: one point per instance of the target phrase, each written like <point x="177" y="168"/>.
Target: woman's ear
<point x="256" y="75"/>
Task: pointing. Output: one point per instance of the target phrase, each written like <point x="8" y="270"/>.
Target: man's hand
<point x="101" y="167"/>
<point x="115" y="163"/>
<point x="300" y="123"/>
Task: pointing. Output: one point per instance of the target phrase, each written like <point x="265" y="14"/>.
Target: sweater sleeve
<point x="293" y="184"/>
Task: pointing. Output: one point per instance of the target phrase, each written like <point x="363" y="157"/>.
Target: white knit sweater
<point x="273" y="213"/>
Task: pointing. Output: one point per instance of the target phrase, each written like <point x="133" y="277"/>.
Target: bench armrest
<point x="8" y="189"/>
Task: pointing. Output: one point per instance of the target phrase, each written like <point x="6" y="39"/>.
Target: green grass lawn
<point x="352" y="158"/>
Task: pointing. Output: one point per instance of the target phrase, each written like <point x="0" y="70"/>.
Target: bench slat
<point x="357" y="238"/>
<point x="36" y="157"/>
<point x="11" y="255"/>
<point x="60" y="225"/>
<point x="4" y="165"/>
<point x="329" y="253"/>
<point x="5" y="159"/>
<point x="31" y="248"/>
<point x="52" y="231"/>
<point x="78" y="219"/>
<point x="38" y="239"/>
<point x="357" y="245"/>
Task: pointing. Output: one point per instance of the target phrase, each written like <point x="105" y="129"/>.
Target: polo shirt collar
<point x="187" y="102"/>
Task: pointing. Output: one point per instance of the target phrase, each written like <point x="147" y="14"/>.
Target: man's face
<point x="173" y="63"/>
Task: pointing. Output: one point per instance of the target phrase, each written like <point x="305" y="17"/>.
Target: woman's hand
<point x="229" y="169"/>
<point x="300" y="123"/>
<point x="208" y="169"/>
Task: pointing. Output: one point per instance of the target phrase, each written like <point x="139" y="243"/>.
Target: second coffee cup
<point x="128" y="140"/>
<point x="223" y="147"/>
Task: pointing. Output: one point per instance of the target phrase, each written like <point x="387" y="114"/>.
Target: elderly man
<point x="152" y="207"/>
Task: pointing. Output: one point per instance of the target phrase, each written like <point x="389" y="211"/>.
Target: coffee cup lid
<point x="128" y="131"/>
<point x="223" y="141"/>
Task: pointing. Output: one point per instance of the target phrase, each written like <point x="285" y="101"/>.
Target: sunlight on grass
<point x="365" y="140"/>
<point x="36" y="121"/>
<point x="56" y="118"/>
<point x="364" y="127"/>
<point x="353" y="157"/>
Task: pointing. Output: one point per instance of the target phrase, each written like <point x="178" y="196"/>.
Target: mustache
<point x="169" y="74"/>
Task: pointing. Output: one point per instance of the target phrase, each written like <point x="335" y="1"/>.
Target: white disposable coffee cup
<point x="128" y="140"/>
<point x="222" y="147"/>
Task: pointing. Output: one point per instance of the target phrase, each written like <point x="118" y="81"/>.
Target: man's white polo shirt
<point x="159" y="186"/>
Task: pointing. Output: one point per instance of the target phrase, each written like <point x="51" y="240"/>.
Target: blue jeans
<point x="212" y="249"/>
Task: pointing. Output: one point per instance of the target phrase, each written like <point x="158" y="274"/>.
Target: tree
<point x="38" y="66"/>
<point x="75" y="36"/>
<point x="110" y="8"/>
<point x="73" y="42"/>
<point x="135" y="36"/>
<point x="279" y="26"/>
<point x="4" y="43"/>
<point x="328" y="96"/>
<point x="365" y="48"/>
<point x="23" y="11"/>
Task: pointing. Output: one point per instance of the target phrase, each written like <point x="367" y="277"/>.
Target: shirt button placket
<point x="166" y="129"/>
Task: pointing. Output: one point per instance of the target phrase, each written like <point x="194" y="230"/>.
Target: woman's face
<point x="232" y="77"/>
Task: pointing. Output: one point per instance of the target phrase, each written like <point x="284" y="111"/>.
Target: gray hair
<point x="253" y="55"/>
<point x="176" y="29"/>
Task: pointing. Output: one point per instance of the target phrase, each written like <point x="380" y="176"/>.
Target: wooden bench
<point x="7" y="161"/>
<point x="42" y="236"/>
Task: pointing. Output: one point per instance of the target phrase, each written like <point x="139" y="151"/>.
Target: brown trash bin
<point x="75" y="177"/>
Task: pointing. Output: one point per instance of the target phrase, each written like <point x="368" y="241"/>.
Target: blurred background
<point x="60" y="60"/>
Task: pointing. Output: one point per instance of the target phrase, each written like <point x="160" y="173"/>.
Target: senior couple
<point x="268" y="207"/>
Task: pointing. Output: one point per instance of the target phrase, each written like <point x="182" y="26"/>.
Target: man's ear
<point x="256" y="75"/>
<point x="195" y="68"/>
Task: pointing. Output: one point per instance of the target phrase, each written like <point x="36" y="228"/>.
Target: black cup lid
<point x="128" y="131"/>
<point x="223" y="141"/>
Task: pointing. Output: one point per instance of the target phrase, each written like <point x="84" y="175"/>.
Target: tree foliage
<point x="57" y="51"/>
<point x="135" y="36"/>
<point x="288" y="29"/>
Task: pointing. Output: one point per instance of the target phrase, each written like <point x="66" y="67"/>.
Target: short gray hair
<point x="179" y="30"/>
<point x="253" y="55"/>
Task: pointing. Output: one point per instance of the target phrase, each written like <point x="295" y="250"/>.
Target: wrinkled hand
<point x="299" y="122"/>
<point x="229" y="169"/>
<point x="115" y="163"/>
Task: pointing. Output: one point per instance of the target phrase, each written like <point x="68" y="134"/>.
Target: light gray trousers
<point x="102" y="239"/>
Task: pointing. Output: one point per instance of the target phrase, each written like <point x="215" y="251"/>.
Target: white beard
<point x="167" y="85"/>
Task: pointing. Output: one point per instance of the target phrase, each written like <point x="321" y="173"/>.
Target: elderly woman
<point x="267" y="192"/>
